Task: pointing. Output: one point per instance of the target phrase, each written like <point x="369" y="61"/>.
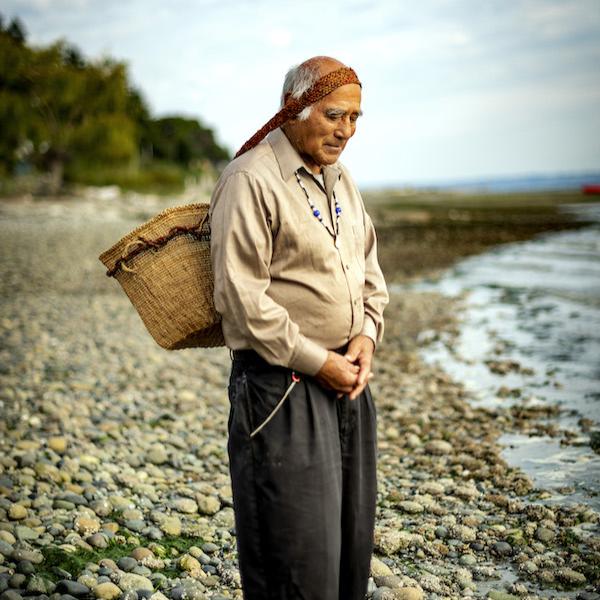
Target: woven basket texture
<point x="172" y="285"/>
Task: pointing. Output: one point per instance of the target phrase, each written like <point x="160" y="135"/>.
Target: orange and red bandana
<point x="323" y="86"/>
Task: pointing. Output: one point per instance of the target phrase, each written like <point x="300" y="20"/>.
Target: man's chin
<point x="330" y="155"/>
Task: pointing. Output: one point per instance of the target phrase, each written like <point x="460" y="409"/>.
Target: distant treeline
<point x="73" y="119"/>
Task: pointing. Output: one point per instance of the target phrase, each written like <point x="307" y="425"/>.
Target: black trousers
<point x="304" y="484"/>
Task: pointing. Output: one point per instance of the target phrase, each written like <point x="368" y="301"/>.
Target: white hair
<point x="298" y="80"/>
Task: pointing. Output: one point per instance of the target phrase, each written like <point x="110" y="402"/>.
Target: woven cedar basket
<point x="164" y="268"/>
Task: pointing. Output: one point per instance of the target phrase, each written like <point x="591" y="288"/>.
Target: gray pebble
<point x="24" y="533"/>
<point x="545" y="535"/>
<point x="10" y="595"/>
<point x="76" y="499"/>
<point x="153" y="533"/>
<point x="127" y="563"/>
<point x="502" y="548"/>
<point x="97" y="540"/>
<point x="383" y="593"/>
<point x="468" y="560"/>
<point x="5" y="548"/>
<point x="73" y="588"/>
<point x="209" y="548"/>
<point x="441" y="532"/>
<point x="41" y="585"/>
<point x="25" y="567"/>
<point x="17" y="580"/>
<point x="137" y="525"/>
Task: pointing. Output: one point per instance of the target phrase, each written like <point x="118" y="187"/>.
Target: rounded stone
<point x="207" y="505"/>
<point x="157" y="455"/>
<point x="438" y="447"/>
<point x="131" y="581"/>
<point x="379" y="568"/>
<point x="107" y="591"/>
<point x="136" y="525"/>
<point x="10" y="595"/>
<point x="209" y="548"/>
<point x="389" y="581"/>
<point x="127" y="563"/>
<point x="171" y="525"/>
<point x="191" y="565"/>
<point x="97" y="540"/>
<point x="408" y="593"/>
<point x="502" y="548"/>
<point x="17" y="580"/>
<point x="185" y="505"/>
<point x="570" y="577"/>
<point x="16" y="512"/>
<point x="411" y="507"/>
<point x="86" y="525"/>
<point x="544" y="535"/>
<point x="58" y="444"/>
<point x="73" y="588"/>
<point x="383" y="593"/>
<point x="468" y="560"/>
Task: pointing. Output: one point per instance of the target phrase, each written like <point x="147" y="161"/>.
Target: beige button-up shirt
<point x="283" y="286"/>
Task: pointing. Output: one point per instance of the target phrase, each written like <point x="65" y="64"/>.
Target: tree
<point x="59" y="111"/>
<point x="182" y="140"/>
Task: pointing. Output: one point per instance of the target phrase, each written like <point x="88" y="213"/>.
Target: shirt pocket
<point x="301" y="246"/>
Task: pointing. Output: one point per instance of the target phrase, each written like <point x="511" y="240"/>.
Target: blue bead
<point x="338" y="209"/>
<point x="316" y="212"/>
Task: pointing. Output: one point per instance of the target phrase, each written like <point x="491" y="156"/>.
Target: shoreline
<point x="110" y="443"/>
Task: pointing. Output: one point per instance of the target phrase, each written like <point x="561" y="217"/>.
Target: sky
<point x="453" y="90"/>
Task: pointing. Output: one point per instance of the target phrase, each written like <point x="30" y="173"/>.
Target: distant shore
<point x="422" y="233"/>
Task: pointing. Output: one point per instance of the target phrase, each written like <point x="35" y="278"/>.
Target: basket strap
<point x="143" y="243"/>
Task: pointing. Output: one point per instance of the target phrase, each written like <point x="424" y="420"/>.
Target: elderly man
<point x="301" y="294"/>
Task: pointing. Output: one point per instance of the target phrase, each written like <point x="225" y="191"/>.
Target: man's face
<point x="322" y="137"/>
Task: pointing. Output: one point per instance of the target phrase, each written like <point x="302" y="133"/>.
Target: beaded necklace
<point x="317" y="213"/>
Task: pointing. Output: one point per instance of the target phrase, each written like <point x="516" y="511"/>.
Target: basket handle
<point x="126" y="252"/>
<point x="174" y="231"/>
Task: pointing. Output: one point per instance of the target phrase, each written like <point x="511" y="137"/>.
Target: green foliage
<point x="67" y="116"/>
<point x="181" y="141"/>
<point x="157" y="176"/>
<point x="75" y="562"/>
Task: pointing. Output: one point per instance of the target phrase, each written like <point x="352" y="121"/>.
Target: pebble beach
<point x="114" y="479"/>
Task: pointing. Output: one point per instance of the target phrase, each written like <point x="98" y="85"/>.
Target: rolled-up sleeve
<point x="241" y="252"/>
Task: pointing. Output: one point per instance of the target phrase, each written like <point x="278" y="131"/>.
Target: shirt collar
<point x="290" y="161"/>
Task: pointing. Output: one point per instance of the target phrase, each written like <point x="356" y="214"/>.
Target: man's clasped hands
<point x="349" y="373"/>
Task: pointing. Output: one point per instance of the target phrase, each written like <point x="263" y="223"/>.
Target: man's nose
<point x="344" y="129"/>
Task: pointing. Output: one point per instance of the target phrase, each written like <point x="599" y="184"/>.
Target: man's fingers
<point x="351" y="356"/>
<point x="358" y="390"/>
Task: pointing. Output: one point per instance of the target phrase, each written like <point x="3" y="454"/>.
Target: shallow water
<point x="536" y="304"/>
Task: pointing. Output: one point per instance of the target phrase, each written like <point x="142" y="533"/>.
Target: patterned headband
<point x="323" y="86"/>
